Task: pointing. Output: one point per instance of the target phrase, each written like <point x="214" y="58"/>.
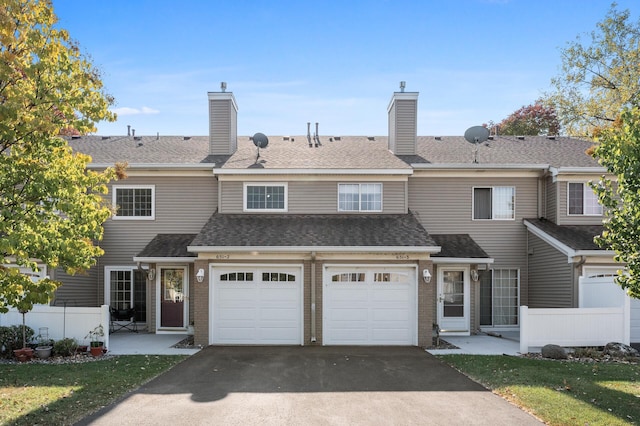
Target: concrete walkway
<point x="481" y="344"/>
<point x="126" y="343"/>
<point x="129" y="343"/>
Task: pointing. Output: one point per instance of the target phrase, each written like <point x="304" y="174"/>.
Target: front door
<point x="453" y="300"/>
<point x="173" y="293"/>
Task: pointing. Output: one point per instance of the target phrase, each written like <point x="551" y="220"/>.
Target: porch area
<point x="148" y="344"/>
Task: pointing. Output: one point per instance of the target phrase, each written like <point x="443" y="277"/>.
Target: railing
<point x="574" y="327"/>
<point x="75" y="322"/>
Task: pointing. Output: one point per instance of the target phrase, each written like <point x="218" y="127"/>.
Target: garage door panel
<point x="256" y="311"/>
<point x="378" y="309"/>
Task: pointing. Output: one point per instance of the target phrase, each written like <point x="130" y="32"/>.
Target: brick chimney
<point x="403" y="122"/>
<point x="223" y="122"/>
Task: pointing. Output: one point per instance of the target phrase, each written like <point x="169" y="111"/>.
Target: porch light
<point x="200" y="275"/>
<point x="151" y="274"/>
<point x="474" y="275"/>
<point x="426" y="276"/>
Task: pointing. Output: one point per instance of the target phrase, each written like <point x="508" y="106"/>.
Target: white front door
<point x="454" y="300"/>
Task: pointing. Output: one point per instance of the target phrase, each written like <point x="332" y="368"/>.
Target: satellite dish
<point x="260" y="140"/>
<point x="476" y="134"/>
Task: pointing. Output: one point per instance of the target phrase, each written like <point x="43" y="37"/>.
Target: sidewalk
<point x="481" y="344"/>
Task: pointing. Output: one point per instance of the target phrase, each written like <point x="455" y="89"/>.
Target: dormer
<point x="223" y="122"/>
<point x="403" y="122"/>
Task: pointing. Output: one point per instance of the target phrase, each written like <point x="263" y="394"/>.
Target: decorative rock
<point x="554" y="352"/>
<point x="620" y="350"/>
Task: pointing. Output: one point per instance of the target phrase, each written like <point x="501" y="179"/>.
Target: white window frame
<point x="115" y="189"/>
<point x="359" y="184"/>
<point x="585" y="198"/>
<point x="493" y="210"/>
<point x="266" y="184"/>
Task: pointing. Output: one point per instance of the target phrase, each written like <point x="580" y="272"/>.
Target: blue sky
<point x="332" y="62"/>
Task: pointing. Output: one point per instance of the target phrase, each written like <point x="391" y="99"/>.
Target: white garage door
<point x="607" y="293"/>
<point x="256" y="305"/>
<point x="370" y="306"/>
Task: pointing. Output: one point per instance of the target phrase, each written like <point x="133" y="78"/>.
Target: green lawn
<point x="48" y="394"/>
<point x="560" y="393"/>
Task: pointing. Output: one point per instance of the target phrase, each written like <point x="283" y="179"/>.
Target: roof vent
<point x="186" y="138"/>
<point x="438" y="138"/>
<point x="76" y="137"/>
<point x="337" y="138"/>
<point x="106" y="137"/>
<point x="285" y="138"/>
<point x="371" y="138"/>
<point x="551" y="138"/>
<point x="520" y="138"/>
<point x="490" y="138"/>
<point x="138" y="138"/>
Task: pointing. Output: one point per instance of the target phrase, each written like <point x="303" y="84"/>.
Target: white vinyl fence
<point x="62" y="322"/>
<point x="573" y="326"/>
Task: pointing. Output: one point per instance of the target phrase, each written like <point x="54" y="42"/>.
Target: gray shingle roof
<point x="458" y="246"/>
<point x="168" y="245"/>
<point x="305" y="230"/>
<point x="577" y="237"/>
<point x="350" y="152"/>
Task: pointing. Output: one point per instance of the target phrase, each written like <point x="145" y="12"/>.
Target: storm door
<point x="173" y="296"/>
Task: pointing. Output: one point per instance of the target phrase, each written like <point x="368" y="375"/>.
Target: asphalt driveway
<point x="311" y="385"/>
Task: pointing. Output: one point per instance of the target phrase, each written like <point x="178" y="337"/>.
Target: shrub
<point x="65" y="347"/>
<point x="11" y="338"/>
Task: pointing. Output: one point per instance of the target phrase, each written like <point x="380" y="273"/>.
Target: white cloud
<point x="135" y="111"/>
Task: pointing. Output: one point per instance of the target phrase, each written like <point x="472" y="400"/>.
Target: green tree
<point x="51" y="207"/>
<point x="535" y="119"/>
<point x="618" y="150"/>
<point x="600" y="75"/>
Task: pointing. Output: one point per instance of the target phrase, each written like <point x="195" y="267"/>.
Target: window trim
<point x="284" y="185"/>
<point x="360" y="197"/>
<point x="114" y="194"/>
<point x="584" y="186"/>
<point x="492" y="187"/>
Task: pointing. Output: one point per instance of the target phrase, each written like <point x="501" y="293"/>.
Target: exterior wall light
<point x="474" y="275"/>
<point x="426" y="276"/>
<point x="151" y="274"/>
<point x="200" y="275"/>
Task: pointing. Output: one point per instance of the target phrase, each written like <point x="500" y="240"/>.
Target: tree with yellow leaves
<point x="51" y="206"/>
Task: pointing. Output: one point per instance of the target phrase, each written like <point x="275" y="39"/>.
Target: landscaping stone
<point x="554" y="352"/>
<point x="620" y="350"/>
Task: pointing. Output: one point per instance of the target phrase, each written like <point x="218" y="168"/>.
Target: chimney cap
<point x="223" y="86"/>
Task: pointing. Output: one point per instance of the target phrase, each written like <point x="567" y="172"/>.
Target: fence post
<point x="105" y="317"/>
<point x="524" y="332"/>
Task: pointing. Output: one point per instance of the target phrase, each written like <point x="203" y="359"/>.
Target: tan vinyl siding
<point x="563" y="212"/>
<point x="404" y="128"/>
<point x="444" y="206"/>
<point x="79" y="289"/>
<point x="222" y="127"/>
<point x="183" y="206"/>
<point x="314" y="197"/>
<point x="550" y="276"/>
<point x="552" y="200"/>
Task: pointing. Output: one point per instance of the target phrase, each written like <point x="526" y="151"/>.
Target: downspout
<point x="313" y="297"/>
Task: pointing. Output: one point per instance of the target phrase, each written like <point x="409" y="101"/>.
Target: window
<point x="134" y="202"/>
<point x="353" y="197"/>
<point x="265" y="197"/>
<point x="499" y="298"/>
<point x="582" y="200"/>
<point x="348" y="277"/>
<point x="495" y="203"/>
<point x="127" y="288"/>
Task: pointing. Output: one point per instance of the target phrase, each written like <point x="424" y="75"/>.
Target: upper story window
<point x="134" y="201"/>
<point x="582" y="200"/>
<point x="494" y="203"/>
<point x="363" y="197"/>
<point x="265" y="197"/>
